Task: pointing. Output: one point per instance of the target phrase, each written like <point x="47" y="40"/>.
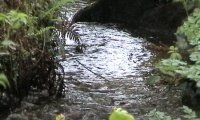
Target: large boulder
<point x="168" y="16"/>
<point x="117" y="11"/>
<point x="161" y="22"/>
<point x="154" y="18"/>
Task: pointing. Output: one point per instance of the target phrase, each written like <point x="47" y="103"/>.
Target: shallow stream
<point x="111" y="72"/>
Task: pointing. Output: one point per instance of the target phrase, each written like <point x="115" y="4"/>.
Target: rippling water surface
<point x="110" y="52"/>
<point x="111" y="72"/>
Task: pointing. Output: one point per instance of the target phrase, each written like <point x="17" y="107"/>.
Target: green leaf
<point x="9" y="44"/>
<point x="17" y="19"/>
<point x="198" y="84"/>
<point x="3" y="84"/>
<point x="2" y="17"/>
<point x="42" y="31"/>
<point x="23" y="18"/>
<point x="195" y="56"/>
<point x="157" y="115"/>
<point x="191" y="28"/>
<point x="190" y="115"/>
<point x="192" y="72"/>
<point x="60" y="117"/>
<point x="173" y="49"/>
<point x="169" y="66"/>
<point x="176" y="56"/>
<point x="120" y="114"/>
<point x="4" y="81"/>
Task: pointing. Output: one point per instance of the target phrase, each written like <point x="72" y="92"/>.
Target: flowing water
<point x="111" y="72"/>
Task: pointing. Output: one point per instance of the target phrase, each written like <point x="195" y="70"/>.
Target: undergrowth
<point x="189" y="114"/>
<point x="29" y="35"/>
<point x="183" y="64"/>
<point x="122" y="114"/>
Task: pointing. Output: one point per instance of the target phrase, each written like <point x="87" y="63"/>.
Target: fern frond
<point x="42" y="31"/>
<point x="4" y="81"/>
<point x="72" y="35"/>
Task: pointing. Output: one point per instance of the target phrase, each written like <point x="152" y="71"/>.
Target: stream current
<point x="111" y="72"/>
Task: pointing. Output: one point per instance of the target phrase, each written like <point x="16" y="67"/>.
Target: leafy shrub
<point x="157" y="115"/>
<point x="28" y="38"/>
<point x="121" y="114"/>
<point x="187" y="69"/>
<point x="183" y="65"/>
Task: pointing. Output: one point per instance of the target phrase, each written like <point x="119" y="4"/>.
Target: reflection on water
<point x="110" y="52"/>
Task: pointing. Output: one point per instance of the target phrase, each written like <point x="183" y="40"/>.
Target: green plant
<point x="183" y="63"/>
<point x="174" y="53"/>
<point x="169" y="66"/>
<point x="189" y="4"/>
<point x="29" y="34"/>
<point x="188" y="67"/>
<point x="190" y="114"/>
<point x="4" y="81"/>
<point x="120" y="114"/>
<point x="190" y="28"/>
<point x="157" y="115"/>
<point x="60" y="117"/>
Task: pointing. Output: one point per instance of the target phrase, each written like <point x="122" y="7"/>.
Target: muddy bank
<point x="151" y="17"/>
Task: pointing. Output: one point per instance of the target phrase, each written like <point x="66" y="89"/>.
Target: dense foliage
<point x="157" y="115"/>
<point x="183" y="65"/>
<point x="121" y="114"/>
<point x="28" y="40"/>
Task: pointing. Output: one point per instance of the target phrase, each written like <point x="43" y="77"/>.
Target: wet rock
<point x="90" y="116"/>
<point x="17" y="117"/>
<point x="157" y="19"/>
<point x="162" y="22"/>
<point x="115" y="11"/>
<point x="76" y="115"/>
<point x="28" y="106"/>
<point x="191" y="95"/>
<point x="137" y="13"/>
<point x="168" y="16"/>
